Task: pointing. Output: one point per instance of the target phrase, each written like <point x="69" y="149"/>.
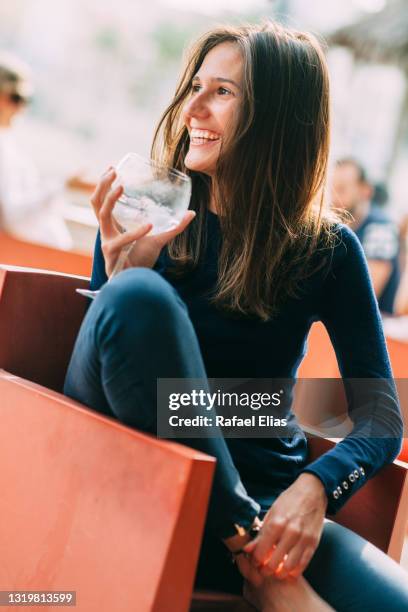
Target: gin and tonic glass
<point x="152" y="193"/>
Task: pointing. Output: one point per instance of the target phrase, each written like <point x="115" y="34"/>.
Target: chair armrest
<point x="17" y="252"/>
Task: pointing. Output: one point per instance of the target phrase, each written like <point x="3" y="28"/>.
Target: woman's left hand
<point x="291" y="529"/>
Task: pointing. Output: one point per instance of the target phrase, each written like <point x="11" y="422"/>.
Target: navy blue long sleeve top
<point x="340" y="295"/>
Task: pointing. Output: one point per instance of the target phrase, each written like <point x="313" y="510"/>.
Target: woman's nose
<point x="197" y="106"/>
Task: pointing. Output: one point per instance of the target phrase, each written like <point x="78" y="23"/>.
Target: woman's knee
<point x="350" y="572"/>
<point x="142" y="292"/>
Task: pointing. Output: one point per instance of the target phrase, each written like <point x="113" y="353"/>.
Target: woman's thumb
<point x="188" y="217"/>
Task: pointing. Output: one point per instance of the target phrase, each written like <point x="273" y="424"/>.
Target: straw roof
<point x="382" y="37"/>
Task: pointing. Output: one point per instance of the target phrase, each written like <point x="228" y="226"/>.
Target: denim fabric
<point x="138" y="330"/>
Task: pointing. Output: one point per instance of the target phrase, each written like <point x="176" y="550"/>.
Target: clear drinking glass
<point x="152" y="193"/>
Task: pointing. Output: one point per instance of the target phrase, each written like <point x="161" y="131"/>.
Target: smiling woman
<point x="263" y="170"/>
<point x="232" y="293"/>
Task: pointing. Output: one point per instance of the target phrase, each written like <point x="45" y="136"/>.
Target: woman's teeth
<point x="203" y="136"/>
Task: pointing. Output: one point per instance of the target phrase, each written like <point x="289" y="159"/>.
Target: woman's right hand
<point x="147" y="248"/>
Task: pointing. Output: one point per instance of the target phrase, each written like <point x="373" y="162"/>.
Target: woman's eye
<point x="221" y="90"/>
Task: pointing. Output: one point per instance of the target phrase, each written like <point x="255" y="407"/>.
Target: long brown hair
<point x="271" y="171"/>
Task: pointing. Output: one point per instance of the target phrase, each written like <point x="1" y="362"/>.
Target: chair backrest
<point x="87" y="504"/>
<point x="95" y="507"/>
<point x="40" y="314"/>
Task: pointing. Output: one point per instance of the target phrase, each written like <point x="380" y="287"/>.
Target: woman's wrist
<point x="311" y="481"/>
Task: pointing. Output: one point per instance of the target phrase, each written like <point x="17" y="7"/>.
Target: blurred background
<point x="103" y="72"/>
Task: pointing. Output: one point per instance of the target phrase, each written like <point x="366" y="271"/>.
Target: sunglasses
<point x="17" y="99"/>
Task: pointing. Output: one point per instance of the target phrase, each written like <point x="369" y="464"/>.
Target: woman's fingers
<point x="250" y="547"/>
<point x="186" y="220"/>
<point x="305" y="559"/>
<point x="117" y="244"/>
<point x="284" y="547"/>
<point x="264" y="544"/>
<point x="106" y="221"/>
<point x="292" y="560"/>
<point x="165" y="237"/>
<point x="102" y="189"/>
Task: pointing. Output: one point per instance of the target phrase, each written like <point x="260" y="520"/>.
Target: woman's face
<point x="214" y="99"/>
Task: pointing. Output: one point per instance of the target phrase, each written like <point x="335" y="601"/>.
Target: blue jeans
<point x="138" y="330"/>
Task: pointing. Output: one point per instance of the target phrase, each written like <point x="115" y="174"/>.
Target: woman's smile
<point x="200" y="137"/>
<point x="203" y="142"/>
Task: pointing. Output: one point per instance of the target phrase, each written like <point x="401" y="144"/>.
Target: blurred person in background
<point x="30" y="207"/>
<point x="380" y="194"/>
<point x="377" y="233"/>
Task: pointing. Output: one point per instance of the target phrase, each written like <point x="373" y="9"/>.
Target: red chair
<point x="87" y="504"/>
<point x="91" y="505"/>
<point x="320" y="362"/>
<point x="16" y="252"/>
<point x="404" y="451"/>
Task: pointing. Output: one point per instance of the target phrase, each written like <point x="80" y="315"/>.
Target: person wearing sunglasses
<point x="30" y="205"/>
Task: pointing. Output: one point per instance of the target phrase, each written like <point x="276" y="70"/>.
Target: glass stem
<point x="121" y="260"/>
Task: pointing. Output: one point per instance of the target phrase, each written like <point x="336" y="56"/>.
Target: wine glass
<point x="152" y="193"/>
